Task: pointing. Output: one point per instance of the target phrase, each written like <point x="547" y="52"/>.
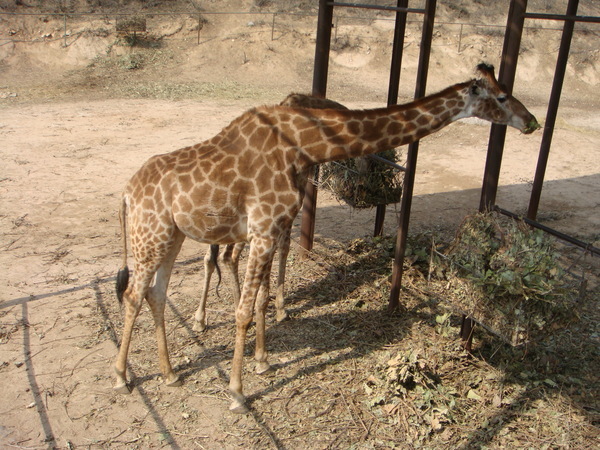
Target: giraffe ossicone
<point x="246" y="184"/>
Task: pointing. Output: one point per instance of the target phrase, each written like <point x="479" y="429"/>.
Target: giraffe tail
<point x="123" y="273"/>
<point x="214" y="254"/>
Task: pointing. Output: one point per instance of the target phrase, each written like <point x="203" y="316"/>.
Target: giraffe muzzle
<point x="531" y="126"/>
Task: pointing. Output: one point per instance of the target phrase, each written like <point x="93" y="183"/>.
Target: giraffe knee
<point x="243" y="318"/>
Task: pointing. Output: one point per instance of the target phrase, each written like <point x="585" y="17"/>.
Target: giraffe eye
<point x="502" y="99"/>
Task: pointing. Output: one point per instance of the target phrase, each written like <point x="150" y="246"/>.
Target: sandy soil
<point x="63" y="167"/>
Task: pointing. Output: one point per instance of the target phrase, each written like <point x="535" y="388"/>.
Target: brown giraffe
<point x="247" y="184"/>
<point x="230" y="257"/>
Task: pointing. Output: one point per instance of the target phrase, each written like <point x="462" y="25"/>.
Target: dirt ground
<point x="71" y="138"/>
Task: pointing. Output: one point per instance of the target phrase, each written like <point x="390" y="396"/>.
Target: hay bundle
<point x="363" y="182"/>
<point x="507" y="276"/>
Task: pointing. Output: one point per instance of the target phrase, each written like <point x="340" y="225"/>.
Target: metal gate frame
<point x="506" y="76"/>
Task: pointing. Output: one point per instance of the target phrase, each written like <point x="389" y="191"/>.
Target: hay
<point x="507" y="277"/>
<point x="362" y="182"/>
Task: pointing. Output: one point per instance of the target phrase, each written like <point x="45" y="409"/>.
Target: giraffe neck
<point x="332" y="135"/>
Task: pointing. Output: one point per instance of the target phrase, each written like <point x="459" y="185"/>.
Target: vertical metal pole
<point x="411" y="163"/>
<point x="466" y="333"/>
<point x="397" y="49"/>
<point x="557" y="84"/>
<point x="319" y="89"/>
<point x="65" y="31"/>
<point x="508" y="68"/>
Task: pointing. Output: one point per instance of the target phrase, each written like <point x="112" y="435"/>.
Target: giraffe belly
<point x="213" y="227"/>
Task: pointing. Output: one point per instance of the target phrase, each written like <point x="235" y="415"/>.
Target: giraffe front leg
<point x="257" y="273"/>
<point x="261" y="354"/>
<point x="238" y="403"/>
<point x="284" y="250"/>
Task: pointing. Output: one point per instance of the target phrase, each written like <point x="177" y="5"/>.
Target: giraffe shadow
<point x="311" y="340"/>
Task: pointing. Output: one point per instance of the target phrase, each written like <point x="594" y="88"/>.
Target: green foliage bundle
<point x="508" y="276"/>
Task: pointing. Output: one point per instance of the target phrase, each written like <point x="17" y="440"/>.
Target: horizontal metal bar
<point x="388" y="162"/>
<point x="378" y="7"/>
<point x="565" y="237"/>
<point x="562" y="17"/>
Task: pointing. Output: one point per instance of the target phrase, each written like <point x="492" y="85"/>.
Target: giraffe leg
<point x="157" y="297"/>
<point x="132" y="299"/>
<point x="284" y="249"/>
<point x="231" y="259"/>
<point x="259" y="263"/>
<point x="261" y="354"/>
<point x="200" y="321"/>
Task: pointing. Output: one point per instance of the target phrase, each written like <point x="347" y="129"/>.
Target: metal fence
<point x="273" y="24"/>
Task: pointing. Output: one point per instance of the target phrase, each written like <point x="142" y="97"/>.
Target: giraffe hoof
<point x="199" y="327"/>
<point x="122" y="388"/>
<point x="174" y="381"/>
<point x="282" y="316"/>
<point x="263" y="368"/>
<point x="238" y="407"/>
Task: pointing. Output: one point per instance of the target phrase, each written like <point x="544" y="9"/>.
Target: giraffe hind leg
<point x="157" y="298"/>
<point x="132" y="299"/>
<point x="200" y="322"/>
<point x="231" y="260"/>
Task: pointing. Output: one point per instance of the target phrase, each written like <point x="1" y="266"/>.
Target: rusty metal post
<point x="557" y="84"/>
<point x="396" y="66"/>
<point x="508" y="68"/>
<point x="466" y="333"/>
<point x="411" y="162"/>
<point x="319" y="89"/>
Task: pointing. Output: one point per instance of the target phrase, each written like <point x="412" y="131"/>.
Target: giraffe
<point x="230" y="257"/>
<point x="247" y="184"/>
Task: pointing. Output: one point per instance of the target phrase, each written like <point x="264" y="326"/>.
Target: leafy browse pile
<point x="507" y="276"/>
<point x="363" y="182"/>
<point x="406" y="391"/>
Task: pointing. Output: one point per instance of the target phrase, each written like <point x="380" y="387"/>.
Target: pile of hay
<point x="507" y="277"/>
<point x="363" y="182"/>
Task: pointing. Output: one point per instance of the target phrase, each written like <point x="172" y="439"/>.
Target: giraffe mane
<point x="486" y="72"/>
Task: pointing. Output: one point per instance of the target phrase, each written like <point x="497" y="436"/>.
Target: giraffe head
<point x="489" y="101"/>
